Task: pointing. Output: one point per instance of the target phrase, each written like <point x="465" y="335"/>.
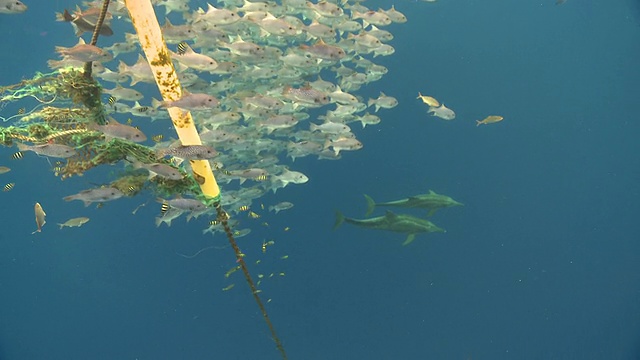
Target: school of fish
<point x="266" y="82"/>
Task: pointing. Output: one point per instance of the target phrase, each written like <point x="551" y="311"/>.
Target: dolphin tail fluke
<point x="370" y="204"/>
<point x="410" y="239"/>
<point x="339" y="219"/>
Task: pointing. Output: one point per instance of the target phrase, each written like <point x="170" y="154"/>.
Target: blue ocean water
<point x="540" y="263"/>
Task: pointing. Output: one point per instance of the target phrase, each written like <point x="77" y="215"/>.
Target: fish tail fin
<point x="478" y="122"/>
<point x="370" y="204"/>
<point x="339" y="219"/>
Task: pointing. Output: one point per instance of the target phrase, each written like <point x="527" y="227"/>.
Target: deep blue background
<point x="542" y="262"/>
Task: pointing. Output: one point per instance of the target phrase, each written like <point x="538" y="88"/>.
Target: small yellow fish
<point x="40" y="215"/>
<point x="17" y="156"/>
<point x="182" y="48"/>
<point x="112" y="100"/>
<point x="243" y="208"/>
<point x="21" y="111"/>
<point x="164" y="208"/>
<point x="9" y="186"/>
<point x="231" y="271"/>
<point x="4" y="169"/>
<point x="253" y="215"/>
<point x="428" y="100"/>
<point x="157" y="138"/>
<point x="75" y="222"/>
<point x="261" y="178"/>
<point x="489" y="120"/>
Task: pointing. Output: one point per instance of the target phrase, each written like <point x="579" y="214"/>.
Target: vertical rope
<point x="96" y="33"/>
<point x="223" y="217"/>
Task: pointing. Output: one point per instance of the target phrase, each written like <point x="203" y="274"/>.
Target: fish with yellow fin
<point x="489" y="120"/>
<point x="432" y="102"/>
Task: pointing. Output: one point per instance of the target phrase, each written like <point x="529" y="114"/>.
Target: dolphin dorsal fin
<point x="431" y="192"/>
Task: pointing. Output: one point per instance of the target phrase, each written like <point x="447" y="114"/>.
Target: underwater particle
<point x="8" y="187"/>
<point x="137" y="208"/>
<point x="284" y="257"/>
<point x="287" y="228"/>
<point x="227" y="288"/>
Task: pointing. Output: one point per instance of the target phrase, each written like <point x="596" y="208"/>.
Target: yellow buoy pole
<point x="150" y="36"/>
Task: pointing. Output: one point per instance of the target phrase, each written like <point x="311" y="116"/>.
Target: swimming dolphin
<point x="406" y="224"/>
<point x="431" y="201"/>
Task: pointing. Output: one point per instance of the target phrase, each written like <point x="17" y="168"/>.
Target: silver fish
<point x="96" y="195"/>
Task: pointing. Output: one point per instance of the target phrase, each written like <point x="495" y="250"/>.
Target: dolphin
<point x="405" y="224"/>
<point x="431" y="201"/>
